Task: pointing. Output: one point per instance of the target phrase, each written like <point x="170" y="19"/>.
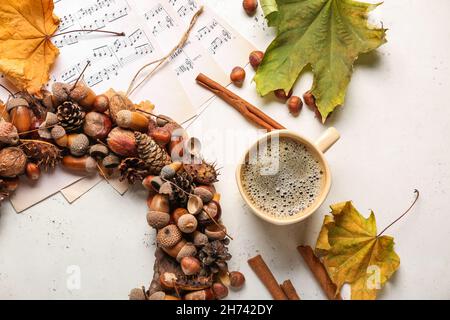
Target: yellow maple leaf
<point x="26" y="52"/>
<point x="146" y="106"/>
<point x="353" y="253"/>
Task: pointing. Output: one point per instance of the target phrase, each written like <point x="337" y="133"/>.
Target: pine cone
<point x="44" y="154"/>
<point x="203" y="173"/>
<point x="214" y="257"/>
<point x="184" y="182"/>
<point x="154" y="156"/>
<point x="133" y="169"/>
<point x="70" y="116"/>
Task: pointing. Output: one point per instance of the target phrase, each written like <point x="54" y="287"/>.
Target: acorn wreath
<point x="109" y="134"/>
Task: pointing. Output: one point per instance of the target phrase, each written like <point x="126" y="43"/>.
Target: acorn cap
<point x="91" y="165"/>
<point x="60" y="92"/>
<point x="187" y="223"/>
<point x="51" y="119"/>
<point x="124" y="118"/>
<point x="58" y="132"/>
<point x="137" y="294"/>
<point x="79" y="144"/>
<point x="158" y="295"/>
<point x="43" y="132"/>
<point x="111" y="161"/>
<point x="79" y="92"/>
<point x="188" y="250"/>
<point x="16" y="102"/>
<point x="157" y="219"/>
<point x="169" y="236"/>
<point x="98" y="151"/>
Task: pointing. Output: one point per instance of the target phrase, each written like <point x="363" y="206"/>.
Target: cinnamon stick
<point x="289" y="290"/>
<point x="249" y="111"/>
<point x="265" y="275"/>
<point x="318" y="269"/>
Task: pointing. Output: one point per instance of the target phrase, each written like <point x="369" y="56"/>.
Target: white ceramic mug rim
<point x="310" y="210"/>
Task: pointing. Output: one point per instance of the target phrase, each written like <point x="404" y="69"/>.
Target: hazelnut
<point x="281" y="94"/>
<point x="237" y="280"/>
<point x="169" y="236"/>
<point x="101" y="103"/>
<point x="187" y="223"/>
<point x="190" y="266"/>
<point x="32" y="171"/>
<point x="122" y="142"/>
<point x="97" y="125"/>
<point x="255" y="58"/>
<point x="220" y="291"/>
<point x="310" y="100"/>
<point x="237" y="76"/>
<point x="250" y="6"/>
<point x="295" y="105"/>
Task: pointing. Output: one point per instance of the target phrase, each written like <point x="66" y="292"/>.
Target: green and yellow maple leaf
<point x="329" y="35"/>
<point x="353" y="253"/>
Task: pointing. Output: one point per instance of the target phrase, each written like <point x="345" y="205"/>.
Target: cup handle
<point x="327" y="139"/>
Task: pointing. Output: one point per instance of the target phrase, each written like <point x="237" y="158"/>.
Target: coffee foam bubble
<point x="292" y="189"/>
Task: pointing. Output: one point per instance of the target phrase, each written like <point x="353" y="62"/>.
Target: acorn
<point x="177" y="213"/>
<point x="237" y="280"/>
<point x="161" y="136"/>
<point x="220" y="291"/>
<point x="98" y="151"/>
<point x="190" y="266"/>
<point x="160" y="203"/>
<point x="60" y="93"/>
<point x="20" y="114"/>
<point x="204" y="193"/>
<point x="83" y="96"/>
<point x="132" y="120"/>
<point x="12" y="162"/>
<point x="111" y="161"/>
<point x="101" y="103"/>
<point x="84" y="164"/>
<point x="215" y="232"/>
<point x="51" y="119"/>
<point x="195" y="204"/>
<point x="187" y="223"/>
<point x="206" y="294"/>
<point x="32" y="171"/>
<point x="97" y="125"/>
<point x="8" y="133"/>
<point x="157" y="219"/>
<point x="122" y="142"/>
<point x="168" y="236"/>
<point x="200" y="239"/>
<point x="187" y="250"/>
<point x="175" y="250"/>
<point x="169" y="171"/>
<point x="137" y="294"/>
<point x="58" y="134"/>
<point x="78" y="144"/>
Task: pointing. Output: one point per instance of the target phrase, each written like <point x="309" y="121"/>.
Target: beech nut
<point x="190" y="266"/>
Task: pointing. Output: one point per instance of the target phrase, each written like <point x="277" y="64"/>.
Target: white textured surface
<point x="395" y="128"/>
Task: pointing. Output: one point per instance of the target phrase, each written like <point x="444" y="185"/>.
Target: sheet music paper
<point x="152" y="28"/>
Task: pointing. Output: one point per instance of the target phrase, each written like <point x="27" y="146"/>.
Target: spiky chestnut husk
<point x="204" y="173"/>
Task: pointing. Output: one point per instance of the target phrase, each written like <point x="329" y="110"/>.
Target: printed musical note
<point x="159" y="20"/>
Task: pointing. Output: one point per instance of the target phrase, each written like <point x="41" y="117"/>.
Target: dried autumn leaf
<point x="329" y="35"/>
<point x="26" y="52"/>
<point x="353" y="253"/>
<point x="146" y="106"/>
